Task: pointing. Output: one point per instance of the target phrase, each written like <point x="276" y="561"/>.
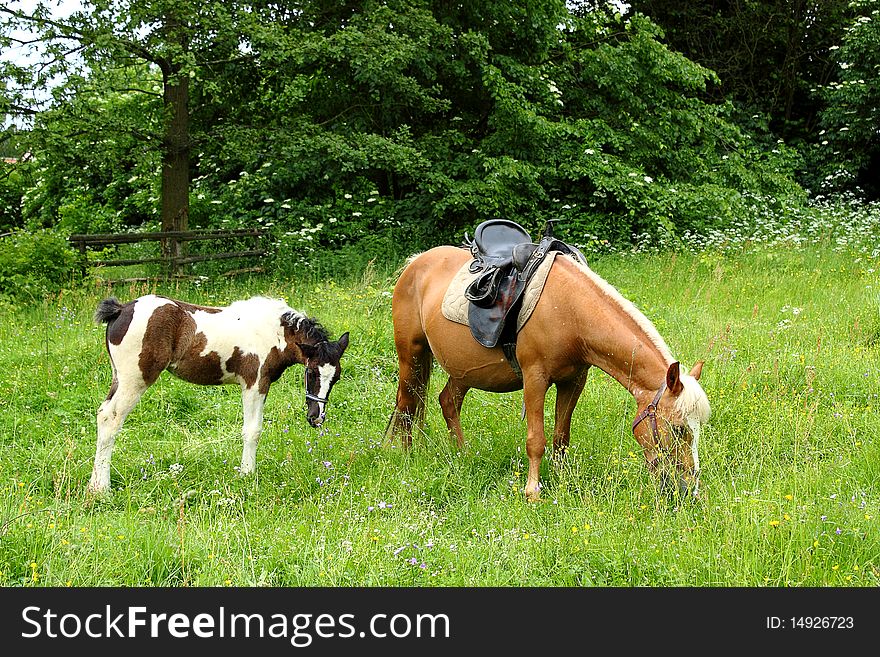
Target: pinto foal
<point x="249" y="342"/>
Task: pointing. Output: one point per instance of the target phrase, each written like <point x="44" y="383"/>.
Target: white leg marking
<point x="253" y="403"/>
<point x="695" y="454"/>
<point x="695" y="432"/>
<point x="111" y="415"/>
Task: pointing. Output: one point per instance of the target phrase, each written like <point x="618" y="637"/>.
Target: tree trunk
<point x="175" y="152"/>
<point x="175" y="164"/>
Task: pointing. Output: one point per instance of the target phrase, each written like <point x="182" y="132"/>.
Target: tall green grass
<point x="790" y="459"/>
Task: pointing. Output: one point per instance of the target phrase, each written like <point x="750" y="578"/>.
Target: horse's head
<point x="668" y="427"/>
<point x="322" y="372"/>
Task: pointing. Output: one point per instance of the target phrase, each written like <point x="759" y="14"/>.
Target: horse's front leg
<point x="253" y="402"/>
<point x="414" y="371"/>
<point x="567" y="395"/>
<point x="535" y="387"/>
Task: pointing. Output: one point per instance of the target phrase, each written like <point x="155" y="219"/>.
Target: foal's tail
<point x="108" y="310"/>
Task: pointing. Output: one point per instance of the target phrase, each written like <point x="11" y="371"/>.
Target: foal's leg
<point x="451" y="399"/>
<point x="252" y="402"/>
<point x="535" y="386"/>
<point x="567" y="395"/>
<point x="123" y="396"/>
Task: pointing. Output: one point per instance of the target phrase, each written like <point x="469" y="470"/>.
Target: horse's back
<point x="423" y="282"/>
<point x="433" y="267"/>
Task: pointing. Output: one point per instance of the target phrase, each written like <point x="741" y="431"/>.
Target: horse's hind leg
<point x="567" y="395"/>
<point x="123" y="396"/>
<point x="414" y="362"/>
<point x="451" y="399"/>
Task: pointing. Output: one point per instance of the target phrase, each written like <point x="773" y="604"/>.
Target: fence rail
<point x="173" y="255"/>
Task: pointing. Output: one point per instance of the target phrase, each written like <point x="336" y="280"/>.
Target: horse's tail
<point x="108" y="310"/>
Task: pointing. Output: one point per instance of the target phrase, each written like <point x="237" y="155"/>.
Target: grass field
<point x="790" y="459"/>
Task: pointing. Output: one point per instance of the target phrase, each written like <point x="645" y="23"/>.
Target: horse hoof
<point x="533" y="494"/>
<point x="94" y="494"/>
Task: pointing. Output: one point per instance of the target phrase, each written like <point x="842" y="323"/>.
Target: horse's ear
<point x="308" y="350"/>
<point x="697" y="369"/>
<point x="343" y="342"/>
<point x="673" y="379"/>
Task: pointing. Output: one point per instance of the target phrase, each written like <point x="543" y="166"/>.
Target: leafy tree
<point x="767" y="55"/>
<point x="849" y="145"/>
<point x="89" y="53"/>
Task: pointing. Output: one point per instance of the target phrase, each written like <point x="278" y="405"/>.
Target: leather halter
<point x="650" y="411"/>
<point x="310" y="396"/>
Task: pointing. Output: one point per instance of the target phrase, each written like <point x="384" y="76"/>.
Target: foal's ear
<point x="673" y="379"/>
<point x="697" y="369"/>
<point x="307" y="350"/>
<point x="343" y="342"/>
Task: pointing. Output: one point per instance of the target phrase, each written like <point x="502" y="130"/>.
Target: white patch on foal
<point x="326" y="373"/>
<point x="252" y="325"/>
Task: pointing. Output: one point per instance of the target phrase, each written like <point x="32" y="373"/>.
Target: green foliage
<point x="849" y="150"/>
<point x="601" y="123"/>
<point x="33" y="264"/>
<point x="443" y="114"/>
<point x="11" y="190"/>
<point x="768" y="56"/>
<point x="92" y="172"/>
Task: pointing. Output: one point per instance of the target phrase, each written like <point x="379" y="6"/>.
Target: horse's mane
<point x="692" y="404"/>
<point x="628" y="307"/>
<point x="310" y="328"/>
<point x="313" y="330"/>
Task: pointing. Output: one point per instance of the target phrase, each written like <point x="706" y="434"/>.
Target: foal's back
<point x="199" y="344"/>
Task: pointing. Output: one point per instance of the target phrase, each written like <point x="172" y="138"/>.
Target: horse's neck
<point x="637" y="365"/>
<point x="618" y="339"/>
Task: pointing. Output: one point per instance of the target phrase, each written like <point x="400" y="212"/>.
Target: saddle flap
<point x="489" y="321"/>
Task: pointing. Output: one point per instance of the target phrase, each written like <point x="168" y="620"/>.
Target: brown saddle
<point x="505" y="258"/>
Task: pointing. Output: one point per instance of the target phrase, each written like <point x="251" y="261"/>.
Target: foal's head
<point x="668" y="427"/>
<point x="321" y="361"/>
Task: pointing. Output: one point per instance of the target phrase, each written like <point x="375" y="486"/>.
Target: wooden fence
<point x="173" y="253"/>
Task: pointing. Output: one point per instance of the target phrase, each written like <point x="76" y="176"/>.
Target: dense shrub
<point x="33" y="264"/>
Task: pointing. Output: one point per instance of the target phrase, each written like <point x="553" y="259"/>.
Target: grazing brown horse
<point x="579" y="321"/>
<point x="249" y="343"/>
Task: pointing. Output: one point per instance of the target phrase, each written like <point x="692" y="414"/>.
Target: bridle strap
<point x="310" y="396"/>
<point x="650" y="411"/>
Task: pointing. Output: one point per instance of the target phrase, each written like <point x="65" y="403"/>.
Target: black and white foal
<point x="249" y="342"/>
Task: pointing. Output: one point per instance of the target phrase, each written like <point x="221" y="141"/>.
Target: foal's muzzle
<point x="315" y="409"/>
<point x="316" y="419"/>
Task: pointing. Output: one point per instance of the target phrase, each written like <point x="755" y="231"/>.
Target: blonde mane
<point x="692" y="404"/>
<point x="629" y="308"/>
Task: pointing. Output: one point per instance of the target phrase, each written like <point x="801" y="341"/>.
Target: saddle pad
<point x="455" y="304"/>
